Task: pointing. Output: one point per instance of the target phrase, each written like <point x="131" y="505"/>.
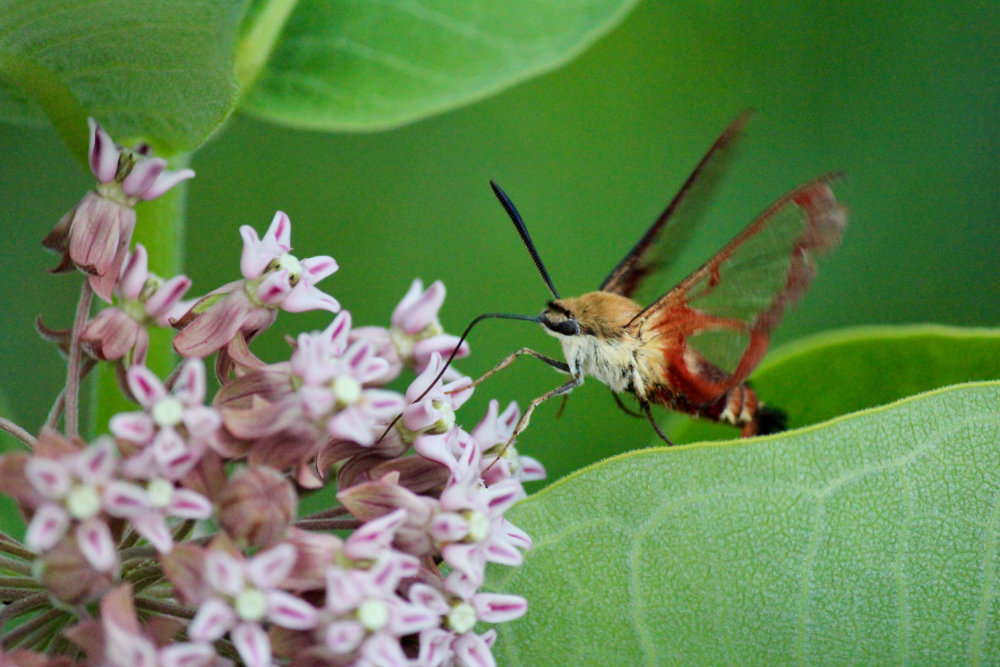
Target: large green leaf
<point x="871" y="539"/>
<point x="837" y="372"/>
<point x="362" y="65"/>
<point x="159" y="70"/>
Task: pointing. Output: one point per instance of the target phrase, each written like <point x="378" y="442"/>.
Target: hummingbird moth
<point x="691" y="348"/>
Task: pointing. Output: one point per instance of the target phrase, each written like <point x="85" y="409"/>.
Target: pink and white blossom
<point x="364" y="614"/>
<point x="272" y="278"/>
<point x="501" y="460"/>
<point x="94" y="237"/>
<point x="174" y="428"/>
<point x="143" y="300"/>
<point x="125" y="644"/>
<point x="461" y="607"/>
<point x="73" y="486"/>
<point x="244" y="595"/>
<point x="470" y="526"/>
<point x="148" y="506"/>
<point x="415" y="333"/>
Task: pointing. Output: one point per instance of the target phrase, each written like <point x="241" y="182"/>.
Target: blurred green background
<point x="904" y="97"/>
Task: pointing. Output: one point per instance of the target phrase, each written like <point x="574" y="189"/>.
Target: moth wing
<point x="655" y="251"/>
<point x="725" y="310"/>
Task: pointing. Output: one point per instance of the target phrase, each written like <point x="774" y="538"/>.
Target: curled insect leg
<point x="656" y="427"/>
<point x="626" y="409"/>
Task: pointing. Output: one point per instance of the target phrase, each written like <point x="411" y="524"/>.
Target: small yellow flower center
<point x="293" y="265"/>
<point x="462" y="617"/>
<point x="167" y="412"/>
<point x="250" y="605"/>
<point x="160" y="492"/>
<point x="83" y="502"/>
<point x="346" y="389"/>
<point x="153" y="283"/>
<point x="373" y="615"/>
<point x="402" y="342"/>
<point x="479" y="526"/>
<point x="447" y="420"/>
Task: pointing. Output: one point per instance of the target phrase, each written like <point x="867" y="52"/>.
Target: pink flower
<point x="470" y="526"/>
<point x="126" y="645"/>
<point x="415" y="334"/>
<point x="144" y="300"/>
<point x="94" y="236"/>
<point x="461" y="608"/>
<point x="174" y="428"/>
<point x="243" y="595"/>
<point x="365" y="616"/>
<point x="289" y="412"/>
<point x="273" y="279"/>
<point x="147" y="507"/>
<point x="492" y="435"/>
<point x="73" y="487"/>
<point x="434" y="413"/>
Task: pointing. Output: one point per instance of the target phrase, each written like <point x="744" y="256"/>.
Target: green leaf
<point x="359" y="65"/>
<point x="162" y="71"/>
<point x="838" y="372"/>
<point x="871" y="539"/>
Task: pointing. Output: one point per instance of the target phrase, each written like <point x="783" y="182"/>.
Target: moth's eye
<point x="568" y="327"/>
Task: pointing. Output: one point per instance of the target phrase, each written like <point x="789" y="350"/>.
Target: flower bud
<point x="257" y="506"/>
<point x="68" y="576"/>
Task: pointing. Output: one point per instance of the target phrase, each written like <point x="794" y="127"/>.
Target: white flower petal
<point x="214" y="619"/>
<point x="94" y="539"/>
<point x="252" y="644"/>
<point x="269" y="568"/>
<point x="49" y="477"/>
<point x="290" y="612"/>
<point x="224" y="573"/>
<point x="47" y="527"/>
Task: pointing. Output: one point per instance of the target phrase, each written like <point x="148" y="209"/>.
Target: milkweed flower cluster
<point x="174" y="537"/>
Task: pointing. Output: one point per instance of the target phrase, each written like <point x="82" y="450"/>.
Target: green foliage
<point x="838" y="372"/>
<point x="871" y="539"/>
<point x="359" y="65"/>
<point x="167" y="72"/>
<point x="157" y="70"/>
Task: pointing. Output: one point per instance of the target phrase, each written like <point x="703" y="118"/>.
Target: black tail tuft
<point x="770" y="420"/>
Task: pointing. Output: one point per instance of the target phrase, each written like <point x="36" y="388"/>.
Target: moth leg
<point x="522" y="423"/>
<point x="656" y="427"/>
<point x="562" y="405"/>
<point x="560" y="366"/>
<point x="626" y="409"/>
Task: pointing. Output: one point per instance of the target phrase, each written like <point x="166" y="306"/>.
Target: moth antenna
<point x="515" y="217"/>
<point x="451" y="357"/>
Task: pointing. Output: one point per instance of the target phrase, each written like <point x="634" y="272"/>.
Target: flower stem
<point x="34" y="601"/>
<point x="18" y="432"/>
<point x="19" y="584"/>
<point x="327" y="513"/>
<point x="11" y="565"/>
<point x="73" y="368"/>
<point x="328" y="524"/>
<point x="166" y="608"/>
<point x="39" y="624"/>
<point x="14" y="548"/>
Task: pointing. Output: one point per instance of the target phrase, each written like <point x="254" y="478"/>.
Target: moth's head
<point x="558" y="320"/>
